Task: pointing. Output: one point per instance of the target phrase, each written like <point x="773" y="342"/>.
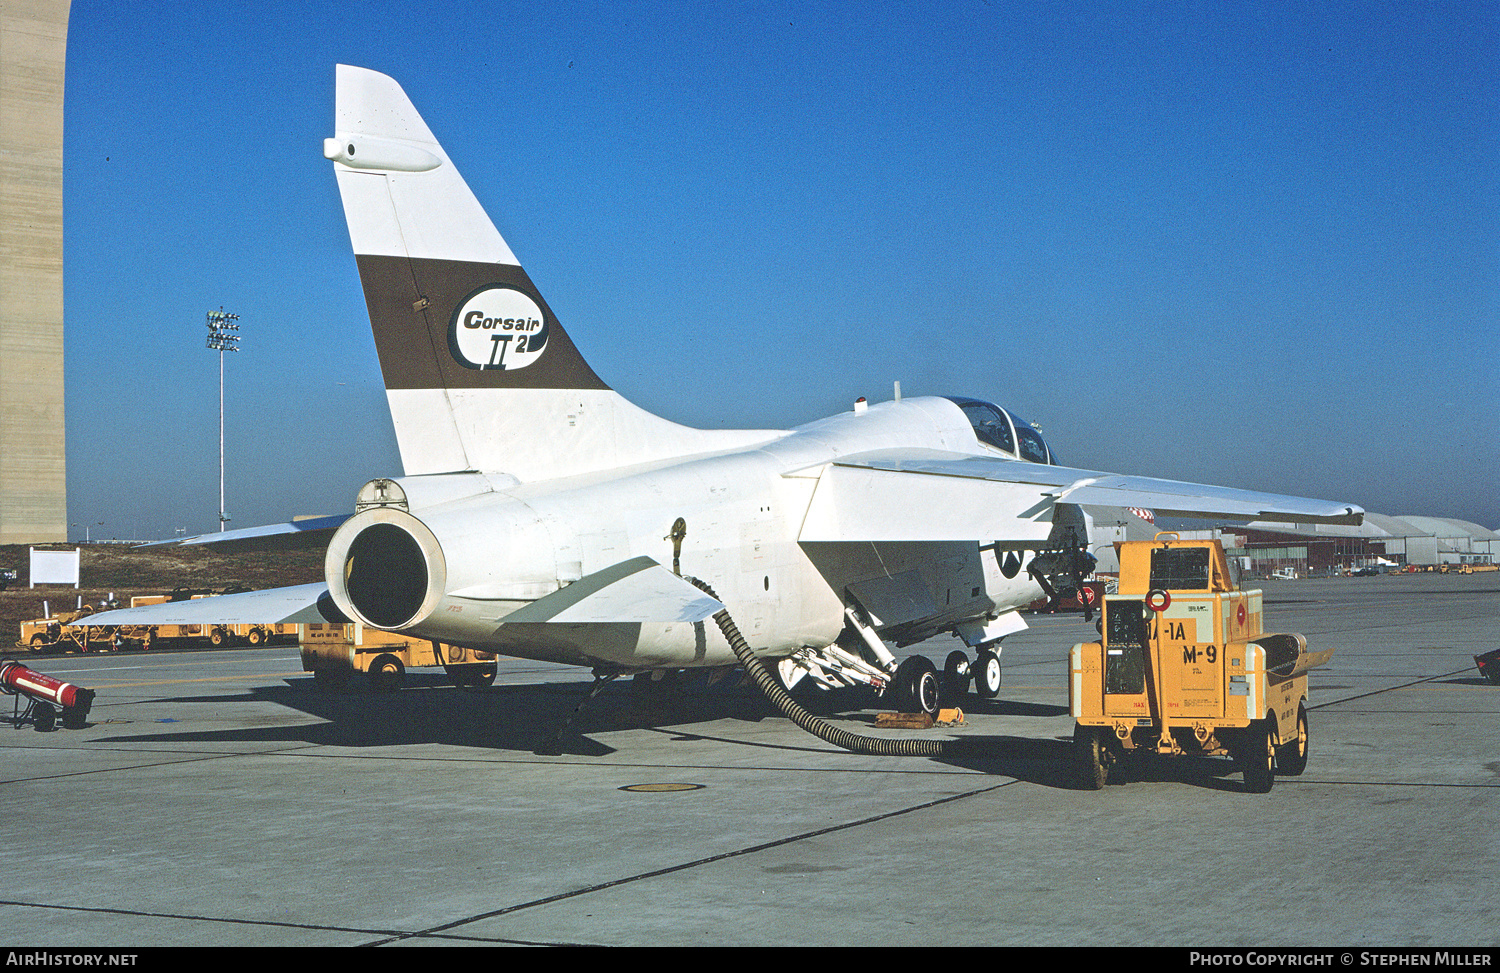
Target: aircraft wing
<point x="300" y="603"/>
<point x="637" y="590"/>
<point x="262" y="537"/>
<point x="931" y="495"/>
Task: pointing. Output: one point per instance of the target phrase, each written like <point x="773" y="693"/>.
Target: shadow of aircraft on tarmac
<point x="544" y="719"/>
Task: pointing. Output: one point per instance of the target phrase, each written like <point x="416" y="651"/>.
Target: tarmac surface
<point x="219" y="799"/>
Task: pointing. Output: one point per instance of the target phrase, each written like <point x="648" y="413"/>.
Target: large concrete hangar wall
<point x="33" y="481"/>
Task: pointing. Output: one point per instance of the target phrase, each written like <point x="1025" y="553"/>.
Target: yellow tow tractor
<point x="1185" y="669"/>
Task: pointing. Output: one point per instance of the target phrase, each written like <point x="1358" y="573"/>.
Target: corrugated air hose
<point x="822" y="729"/>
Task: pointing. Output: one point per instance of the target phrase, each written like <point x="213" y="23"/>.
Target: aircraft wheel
<point x="1095" y="758"/>
<point x="987" y="674"/>
<point x="1291" y="757"/>
<point x="387" y="673"/>
<point x="916" y="685"/>
<point x="1257" y="755"/>
<point x="956" y="674"/>
<point x="470" y="675"/>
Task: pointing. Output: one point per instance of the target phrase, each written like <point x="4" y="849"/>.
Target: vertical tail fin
<point x="478" y="371"/>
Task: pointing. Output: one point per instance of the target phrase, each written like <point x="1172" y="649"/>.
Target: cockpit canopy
<point x="1004" y="431"/>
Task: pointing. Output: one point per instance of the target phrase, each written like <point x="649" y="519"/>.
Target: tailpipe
<point x="385" y="568"/>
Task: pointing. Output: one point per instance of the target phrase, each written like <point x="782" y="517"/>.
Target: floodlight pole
<point x="221" y="324"/>
<point x="222" y="518"/>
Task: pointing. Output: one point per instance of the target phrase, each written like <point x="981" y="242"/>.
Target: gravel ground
<point x="125" y="571"/>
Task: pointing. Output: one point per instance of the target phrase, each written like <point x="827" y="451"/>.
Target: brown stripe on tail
<point x="454" y="324"/>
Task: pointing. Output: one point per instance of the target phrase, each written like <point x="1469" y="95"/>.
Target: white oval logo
<point x="497" y="328"/>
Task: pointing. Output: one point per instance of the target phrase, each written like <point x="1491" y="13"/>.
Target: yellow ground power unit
<point x="1184" y="668"/>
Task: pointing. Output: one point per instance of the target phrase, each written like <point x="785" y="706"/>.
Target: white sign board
<point x="54" y="567"/>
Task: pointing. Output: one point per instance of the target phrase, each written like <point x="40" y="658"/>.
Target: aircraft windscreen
<point x="1033" y="449"/>
<point x="989" y="422"/>
<point x="1003" y="430"/>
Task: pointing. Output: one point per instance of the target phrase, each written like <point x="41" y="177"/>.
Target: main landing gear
<point x="919" y="688"/>
<point x="910" y="685"/>
<point x="914" y="688"/>
<point x="984" y="671"/>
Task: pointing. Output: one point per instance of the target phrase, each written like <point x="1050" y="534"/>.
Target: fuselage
<point x="453" y="569"/>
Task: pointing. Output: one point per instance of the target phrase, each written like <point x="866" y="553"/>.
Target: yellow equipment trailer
<point x="215" y="635"/>
<point x="335" y="652"/>
<point x="1184" y="668"/>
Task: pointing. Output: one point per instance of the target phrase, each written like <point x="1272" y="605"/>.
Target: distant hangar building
<point x="1320" y="548"/>
<point x="1265" y="547"/>
<point x="33" y="481"/>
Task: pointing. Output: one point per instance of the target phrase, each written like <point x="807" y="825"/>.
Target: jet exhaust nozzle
<point x="385" y="568"/>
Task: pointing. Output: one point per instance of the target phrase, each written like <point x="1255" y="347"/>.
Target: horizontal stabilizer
<point x="273" y="606"/>
<point x="915" y="495"/>
<point x="638" y="590"/>
<point x="268" y="537"/>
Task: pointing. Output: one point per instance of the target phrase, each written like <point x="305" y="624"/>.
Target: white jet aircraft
<point x="541" y="515"/>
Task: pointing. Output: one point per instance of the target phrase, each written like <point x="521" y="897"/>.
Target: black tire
<point x="257" y="636"/>
<point x="470" y="675"/>
<point x="386" y="673"/>
<point x="1094" y="756"/>
<point x="1291" y="757"/>
<point x="956" y="674"/>
<point x="987" y="674"/>
<point x="218" y="637"/>
<point x="916" y="686"/>
<point x="1257" y="755"/>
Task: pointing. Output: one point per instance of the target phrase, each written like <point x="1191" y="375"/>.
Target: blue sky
<point x="1253" y="244"/>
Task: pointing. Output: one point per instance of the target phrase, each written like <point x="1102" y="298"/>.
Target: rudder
<point x="479" y="374"/>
